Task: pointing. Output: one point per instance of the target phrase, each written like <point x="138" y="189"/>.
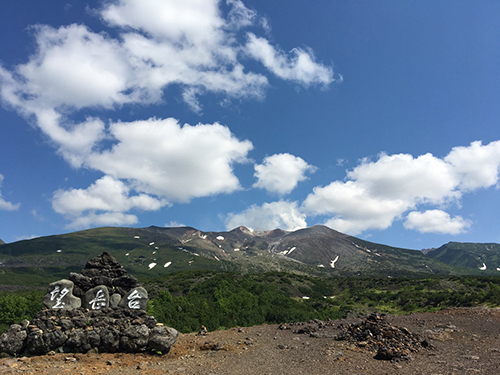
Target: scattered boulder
<point x="314" y="328"/>
<point x="101" y="309"/>
<point x="15" y="337"/>
<point x="161" y="338"/>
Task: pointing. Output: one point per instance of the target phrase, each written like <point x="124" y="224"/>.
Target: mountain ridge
<point x="482" y="256"/>
<point x="154" y="251"/>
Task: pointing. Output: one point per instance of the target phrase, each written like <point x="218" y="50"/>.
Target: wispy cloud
<point x="299" y="65"/>
<point x="4" y="205"/>
<point x="281" y="214"/>
<point x="174" y="224"/>
<point x="26" y="237"/>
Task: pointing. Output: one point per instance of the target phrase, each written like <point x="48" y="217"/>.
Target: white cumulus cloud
<point x="403" y="177"/>
<point x="75" y="67"/>
<point x="191" y="44"/>
<point x="282" y="214"/>
<point x="378" y="192"/>
<point x="103" y="219"/>
<point x="161" y="157"/>
<point x="280" y="173"/>
<point x="147" y="46"/>
<point x="149" y="159"/>
<point x="353" y="208"/>
<point x="476" y="165"/>
<point x="192" y="21"/>
<point x="104" y="202"/>
<point x="436" y="221"/>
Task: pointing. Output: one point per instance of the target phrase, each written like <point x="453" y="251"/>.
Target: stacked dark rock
<point x="100" y="309"/>
<point x="79" y="331"/>
<point x="389" y="342"/>
<point x="104" y="270"/>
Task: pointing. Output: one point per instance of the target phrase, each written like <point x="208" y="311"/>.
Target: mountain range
<point x="154" y="251"/>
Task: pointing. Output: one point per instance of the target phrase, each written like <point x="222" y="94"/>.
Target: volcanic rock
<point x="103" y="270"/>
<point x="105" y="322"/>
<point x="60" y="296"/>
<point x="376" y="334"/>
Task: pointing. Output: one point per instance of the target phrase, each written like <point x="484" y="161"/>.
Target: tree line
<point x="219" y="300"/>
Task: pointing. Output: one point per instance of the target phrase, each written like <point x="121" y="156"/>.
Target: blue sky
<point x="378" y="119"/>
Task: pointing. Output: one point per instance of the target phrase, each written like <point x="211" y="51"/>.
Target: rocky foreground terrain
<point x="459" y="341"/>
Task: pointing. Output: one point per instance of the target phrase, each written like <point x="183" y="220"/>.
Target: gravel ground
<point x="463" y="341"/>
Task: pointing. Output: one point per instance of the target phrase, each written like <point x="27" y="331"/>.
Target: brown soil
<point x="463" y="341"/>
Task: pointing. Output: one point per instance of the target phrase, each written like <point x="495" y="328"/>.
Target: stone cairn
<point x="377" y="335"/>
<point x="101" y="309"/>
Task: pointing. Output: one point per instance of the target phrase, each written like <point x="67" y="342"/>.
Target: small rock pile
<point x="314" y="328"/>
<point x="376" y="334"/>
<point x="100" y="309"/>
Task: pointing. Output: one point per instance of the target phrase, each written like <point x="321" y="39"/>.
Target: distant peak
<point x="318" y="229"/>
<point x="275" y="232"/>
<point x="243" y="229"/>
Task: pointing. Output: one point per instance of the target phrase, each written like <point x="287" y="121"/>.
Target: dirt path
<point x="464" y="341"/>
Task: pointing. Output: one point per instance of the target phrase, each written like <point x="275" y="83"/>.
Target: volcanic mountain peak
<point x="243" y="230"/>
<point x="318" y="250"/>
